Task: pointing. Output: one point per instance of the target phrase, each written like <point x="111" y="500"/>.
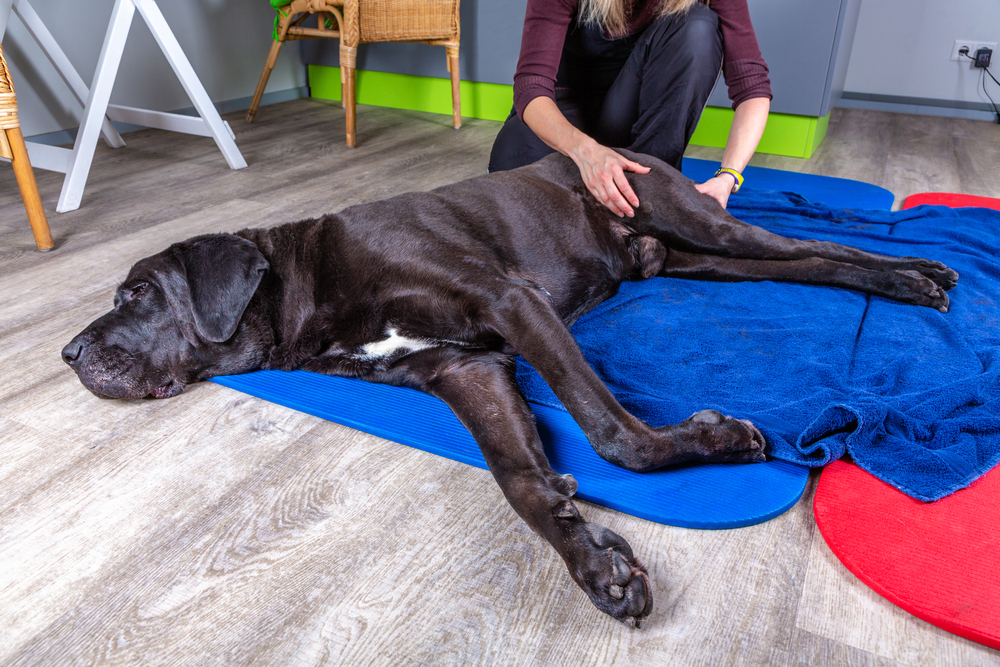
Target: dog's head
<point x="173" y="317"/>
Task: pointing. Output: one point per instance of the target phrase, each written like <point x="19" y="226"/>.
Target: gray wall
<point x="491" y="40"/>
<point x="797" y="38"/>
<point x="901" y="50"/>
<point x="226" y="41"/>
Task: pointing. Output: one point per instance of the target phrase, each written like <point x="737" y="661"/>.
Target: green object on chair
<point x="281" y="4"/>
<point x="278" y="4"/>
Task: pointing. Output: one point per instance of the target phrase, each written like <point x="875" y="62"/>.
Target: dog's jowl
<point x="439" y="290"/>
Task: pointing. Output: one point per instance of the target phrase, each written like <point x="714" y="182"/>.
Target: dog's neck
<point x="246" y="351"/>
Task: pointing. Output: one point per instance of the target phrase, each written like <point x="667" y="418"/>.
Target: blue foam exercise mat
<point x="705" y="496"/>
<point x="834" y="192"/>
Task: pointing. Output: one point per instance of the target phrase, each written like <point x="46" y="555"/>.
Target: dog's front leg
<point x="480" y="388"/>
<point x="530" y="324"/>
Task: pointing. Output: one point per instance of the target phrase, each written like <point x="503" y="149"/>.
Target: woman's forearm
<point x="550" y="125"/>
<point x="748" y="126"/>
<point x="749" y="122"/>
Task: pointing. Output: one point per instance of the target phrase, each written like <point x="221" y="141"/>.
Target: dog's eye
<point x="136" y="290"/>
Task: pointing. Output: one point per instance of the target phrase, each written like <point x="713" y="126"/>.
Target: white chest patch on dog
<point x="393" y="344"/>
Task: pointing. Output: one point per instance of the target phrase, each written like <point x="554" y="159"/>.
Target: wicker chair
<point x="12" y="147"/>
<point x="357" y="22"/>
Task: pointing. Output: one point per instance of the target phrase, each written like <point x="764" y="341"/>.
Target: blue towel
<point x="913" y="395"/>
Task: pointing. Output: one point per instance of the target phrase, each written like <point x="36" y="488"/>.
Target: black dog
<point x="438" y="290"/>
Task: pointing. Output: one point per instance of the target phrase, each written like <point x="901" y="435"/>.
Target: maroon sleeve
<point x="545" y="25"/>
<point x="743" y="66"/>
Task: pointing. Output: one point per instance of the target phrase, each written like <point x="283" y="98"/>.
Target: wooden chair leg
<point x="29" y="188"/>
<point x="456" y="95"/>
<point x="272" y="59"/>
<point x="349" y="105"/>
<point x="348" y="55"/>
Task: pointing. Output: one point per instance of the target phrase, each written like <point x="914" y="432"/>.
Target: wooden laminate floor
<point x="218" y="529"/>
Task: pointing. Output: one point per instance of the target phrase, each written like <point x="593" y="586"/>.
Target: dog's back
<point x="536" y="225"/>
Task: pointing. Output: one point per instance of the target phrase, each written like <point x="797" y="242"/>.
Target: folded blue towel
<point x="912" y="394"/>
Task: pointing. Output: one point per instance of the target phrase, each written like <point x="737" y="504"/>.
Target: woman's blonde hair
<point x="610" y="14"/>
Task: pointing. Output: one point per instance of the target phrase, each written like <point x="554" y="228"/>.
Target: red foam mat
<point x="950" y="199"/>
<point x="939" y="561"/>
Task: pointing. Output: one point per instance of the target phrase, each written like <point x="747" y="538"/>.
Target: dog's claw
<point x="936" y="271"/>
<point x="616" y="592"/>
<point x="758" y="444"/>
<point x="926" y="288"/>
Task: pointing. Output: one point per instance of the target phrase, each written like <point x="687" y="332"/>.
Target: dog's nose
<point x="71" y="353"/>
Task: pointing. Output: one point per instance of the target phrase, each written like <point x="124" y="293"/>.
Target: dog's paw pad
<point x="613" y="578"/>
<point x="629" y="598"/>
<point x="707" y="417"/>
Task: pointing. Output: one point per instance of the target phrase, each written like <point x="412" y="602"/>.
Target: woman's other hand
<point x="718" y="188"/>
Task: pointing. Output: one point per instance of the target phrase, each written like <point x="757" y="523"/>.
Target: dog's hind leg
<point x="906" y="286"/>
<point x="680" y="217"/>
<point x="481" y="390"/>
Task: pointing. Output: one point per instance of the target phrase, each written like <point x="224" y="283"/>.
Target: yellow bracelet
<point x="735" y="174"/>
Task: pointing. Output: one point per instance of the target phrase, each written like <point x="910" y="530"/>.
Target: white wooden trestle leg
<point x="98" y="112"/>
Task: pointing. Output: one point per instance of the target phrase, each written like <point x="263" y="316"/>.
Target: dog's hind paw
<point x="941" y="275"/>
<point x="922" y="290"/>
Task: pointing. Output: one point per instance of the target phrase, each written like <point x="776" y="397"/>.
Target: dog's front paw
<point x="603" y="565"/>
<point x="729" y="440"/>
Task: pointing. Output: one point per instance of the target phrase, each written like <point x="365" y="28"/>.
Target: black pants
<point x="643" y="92"/>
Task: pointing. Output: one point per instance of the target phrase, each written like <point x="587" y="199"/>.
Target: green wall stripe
<point x="490" y="101"/>
<point x="786" y="134"/>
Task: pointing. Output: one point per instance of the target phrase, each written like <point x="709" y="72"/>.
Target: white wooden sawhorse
<point x="97" y="110"/>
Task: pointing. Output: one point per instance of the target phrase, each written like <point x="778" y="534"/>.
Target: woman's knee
<point x="516" y="146"/>
<point x="692" y="40"/>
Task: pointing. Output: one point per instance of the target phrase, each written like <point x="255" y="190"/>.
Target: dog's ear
<point x="219" y="276"/>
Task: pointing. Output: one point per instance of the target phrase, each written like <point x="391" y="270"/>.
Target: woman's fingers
<point x="603" y="171"/>
<point x="607" y="189"/>
<point x="625" y="189"/>
<point x="635" y="166"/>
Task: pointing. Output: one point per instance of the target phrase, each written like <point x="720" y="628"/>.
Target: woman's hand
<point x="603" y="171"/>
<point x="718" y="188"/>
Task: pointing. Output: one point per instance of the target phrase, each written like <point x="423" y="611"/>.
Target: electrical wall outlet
<point x="960" y="44"/>
<point x="972" y="46"/>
